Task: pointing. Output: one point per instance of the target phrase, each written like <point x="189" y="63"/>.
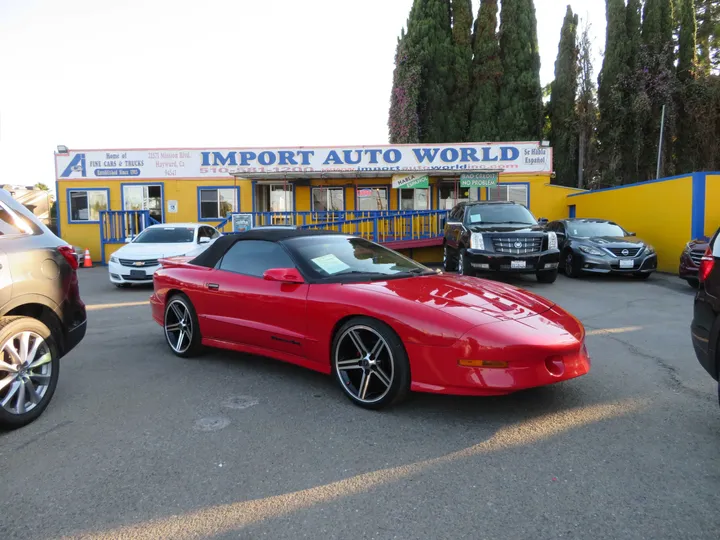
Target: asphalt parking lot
<point x="139" y="444"/>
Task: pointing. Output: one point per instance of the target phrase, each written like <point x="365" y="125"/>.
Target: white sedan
<point x="136" y="262"/>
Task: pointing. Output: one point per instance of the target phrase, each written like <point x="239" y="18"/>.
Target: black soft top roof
<point x="210" y="257"/>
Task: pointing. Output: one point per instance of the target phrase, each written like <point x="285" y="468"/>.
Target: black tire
<point x="547" y="276"/>
<point x="642" y="275"/>
<point x="449" y="264"/>
<point x="464" y="268"/>
<point x="188" y="347"/>
<point x="11" y="327"/>
<point x="571" y="267"/>
<point x="395" y="362"/>
<point x="694" y="283"/>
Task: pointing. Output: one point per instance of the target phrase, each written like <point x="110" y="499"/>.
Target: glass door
<point x="144" y="197"/>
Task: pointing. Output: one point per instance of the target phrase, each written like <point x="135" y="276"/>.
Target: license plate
<point x="517" y="264"/>
<point x="627" y="263"/>
<point x="138" y="273"/>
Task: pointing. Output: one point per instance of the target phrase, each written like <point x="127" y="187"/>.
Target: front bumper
<point x="538" y="350"/>
<point x="121" y="274"/>
<point x="490" y="261"/>
<point x="643" y="264"/>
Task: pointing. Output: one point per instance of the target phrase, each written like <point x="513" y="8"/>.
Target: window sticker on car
<point x="330" y="263"/>
<point x="475" y="218"/>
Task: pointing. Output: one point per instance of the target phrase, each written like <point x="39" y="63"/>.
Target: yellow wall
<point x="659" y="212"/>
<point x="712" y="208"/>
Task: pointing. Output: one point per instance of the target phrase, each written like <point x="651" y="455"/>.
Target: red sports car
<point x="381" y="323"/>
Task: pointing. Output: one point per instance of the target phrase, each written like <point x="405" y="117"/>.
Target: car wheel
<point x="370" y="363"/>
<point x="694" y="283"/>
<point x="571" y="269"/>
<point x="642" y="275"/>
<point x="547" y="277"/>
<point x="29" y="367"/>
<point x="448" y="262"/>
<point x="464" y="268"/>
<point x="182" y="331"/>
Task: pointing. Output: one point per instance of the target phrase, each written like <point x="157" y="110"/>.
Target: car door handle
<point x="212" y="286"/>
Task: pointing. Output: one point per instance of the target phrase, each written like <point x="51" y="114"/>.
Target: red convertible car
<point x="381" y="323"/>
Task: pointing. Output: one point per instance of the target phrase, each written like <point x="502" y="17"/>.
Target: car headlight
<point x="649" y="249"/>
<point x="591" y="250"/>
<point x="113" y="259"/>
<point x="552" y="240"/>
<point x="476" y="241"/>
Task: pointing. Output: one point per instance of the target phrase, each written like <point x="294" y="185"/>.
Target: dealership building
<point x="99" y="192"/>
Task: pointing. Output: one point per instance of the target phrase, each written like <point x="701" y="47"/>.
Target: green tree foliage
<point x="462" y="22"/>
<point x="404" y="120"/>
<point x="427" y="46"/>
<point x="520" y="114"/>
<point x="41" y="186"/>
<point x="486" y="75"/>
<point x="707" y="14"/>
<point x="562" y="112"/>
<point x="687" y="47"/>
<point x="610" y="96"/>
<point x="587" y="112"/>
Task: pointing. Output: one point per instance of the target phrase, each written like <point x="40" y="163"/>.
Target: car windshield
<point x="588" y="229"/>
<point x="492" y="214"/>
<point x="166" y="235"/>
<point x="323" y="257"/>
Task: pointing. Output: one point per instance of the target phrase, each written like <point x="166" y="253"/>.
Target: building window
<point x="371" y="198"/>
<point x="217" y="203"/>
<point x="144" y="197"/>
<point x="450" y="194"/>
<point x="328" y="199"/>
<point x="414" y="199"/>
<point x="86" y="205"/>
<point x="509" y="192"/>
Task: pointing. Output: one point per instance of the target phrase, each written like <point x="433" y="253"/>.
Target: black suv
<point x="498" y="237"/>
<point x="705" y="327"/>
<point x="41" y="314"/>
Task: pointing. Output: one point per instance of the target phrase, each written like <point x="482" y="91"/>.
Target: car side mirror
<point x="543" y="221"/>
<point x="203" y="240"/>
<point x="283" y="275"/>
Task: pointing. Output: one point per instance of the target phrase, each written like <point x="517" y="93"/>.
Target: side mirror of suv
<point x="543" y="221"/>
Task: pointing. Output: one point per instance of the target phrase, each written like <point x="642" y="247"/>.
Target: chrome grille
<point x="619" y="252"/>
<point x="518" y="245"/>
<point x="138" y="264"/>
<point x="696" y="257"/>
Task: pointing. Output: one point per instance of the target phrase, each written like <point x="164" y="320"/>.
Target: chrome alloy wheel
<point x="25" y="372"/>
<point x="461" y="264"/>
<point x="364" y="363"/>
<point x="178" y="326"/>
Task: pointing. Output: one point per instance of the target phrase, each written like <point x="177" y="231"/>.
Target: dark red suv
<point x="690" y="261"/>
<point x="705" y="327"/>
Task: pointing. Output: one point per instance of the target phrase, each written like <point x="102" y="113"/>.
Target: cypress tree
<point x="428" y="47"/>
<point x="587" y="112"/>
<point x="563" y="115"/>
<point x="403" y="122"/>
<point x="610" y="96"/>
<point x="708" y="34"/>
<point x="486" y="75"/>
<point x="521" y="108"/>
<point x="687" y="47"/>
<point x="462" y="21"/>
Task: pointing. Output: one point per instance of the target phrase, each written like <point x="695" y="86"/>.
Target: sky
<point x="213" y="73"/>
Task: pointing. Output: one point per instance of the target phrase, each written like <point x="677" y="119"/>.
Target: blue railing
<point x="117" y="226"/>
<point x="301" y="219"/>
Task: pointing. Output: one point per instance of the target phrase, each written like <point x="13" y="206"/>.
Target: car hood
<point x="507" y="228"/>
<point x="620" y="241"/>
<point x="154" y="251"/>
<point x="475" y="300"/>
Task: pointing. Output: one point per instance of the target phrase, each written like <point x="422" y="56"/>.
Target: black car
<point x="42" y="317"/>
<point x="705" y="326"/>
<point x="601" y="246"/>
<point x="498" y="237"/>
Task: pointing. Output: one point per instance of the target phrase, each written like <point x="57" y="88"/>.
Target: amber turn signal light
<point x="483" y="363"/>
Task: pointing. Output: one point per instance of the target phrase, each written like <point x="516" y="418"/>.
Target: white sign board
<point x="221" y="163"/>
<point x="172" y="207"/>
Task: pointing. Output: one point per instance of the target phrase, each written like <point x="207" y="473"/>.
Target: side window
<point x="13" y="224"/>
<point x="560" y="228"/>
<point x="205" y="232"/>
<point x="213" y="233"/>
<point x="254" y="257"/>
<point x="457" y="213"/>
